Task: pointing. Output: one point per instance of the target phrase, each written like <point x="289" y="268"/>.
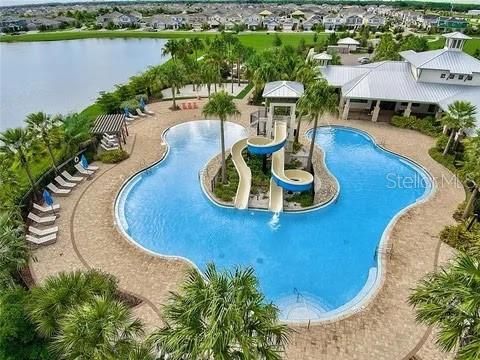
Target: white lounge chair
<point x="108" y="148"/>
<point x="82" y="170"/>
<point x="46" y="209"/>
<point x="42" y="220"/>
<point x="58" y="191"/>
<point x="71" y="178"/>
<point x="130" y="115"/>
<point x="108" y="144"/>
<point x="146" y="111"/>
<point x="42" y="232"/>
<point x="44" y="240"/>
<point x="61" y="181"/>
<point x="139" y="112"/>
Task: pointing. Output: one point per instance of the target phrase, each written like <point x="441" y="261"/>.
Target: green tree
<point x="221" y="316"/>
<point x="208" y="75"/>
<point x="109" y="101"/>
<point x="277" y="41"/>
<point x="101" y="328"/>
<point x="222" y="106"/>
<point x="472" y="170"/>
<point x="51" y="301"/>
<point x="17" y="144"/>
<point x="450" y="300"/>
<point x="75" y="130"/>
<point x="14" y="253"/>
<point x="332" y="39"/>
<point x="17" y="340"/>
<point x="196" y="44"/>
<point x="460" y="115"/>
<point x="44" y="126"/>
<point x="387" y="49"/>
<point x="173" y="75"/>
<point x="172" y="48"/>
<point x="415" y="43"/>
<point x="319" y="98"/>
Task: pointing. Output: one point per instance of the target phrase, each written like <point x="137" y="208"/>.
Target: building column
<point x="270" y="120"/>
<point x="408" y="110"/>
<point x="340" y="105"/>
<point x="438" y="114"/>
<point x="346" y="109"/>
<point x="291" y="127"/>
<point x="376" y="111"/>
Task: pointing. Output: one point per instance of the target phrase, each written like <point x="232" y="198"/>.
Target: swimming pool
<point x="314" y="265"/>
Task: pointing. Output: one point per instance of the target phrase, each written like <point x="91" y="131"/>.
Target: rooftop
<point x="444" y="59"/>
<point x="283" y="89"/>
<point x="348" y="41"/>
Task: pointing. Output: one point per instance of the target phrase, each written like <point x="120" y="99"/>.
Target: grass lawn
<point x="256" y="40"/>
<point x="470" y="46"/>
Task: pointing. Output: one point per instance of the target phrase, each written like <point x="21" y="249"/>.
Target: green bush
<point x="131" y="105"/>
<point x="428" y="125"/>
<point x="113" y="156"/>
<point x="460" y="238"/>
<point x="441" y="142"/>
<point x="141" y="96"/>
<point x="305" y="198"/>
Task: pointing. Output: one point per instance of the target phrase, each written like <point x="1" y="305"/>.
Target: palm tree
<point x="460" y="115"/>
<point x="240" y="53"/>
<point x="171" y="48"/>
<point x="101" y="328"/>
<point x="14" y="252"/>
<point x="267" y="71"/>
<point x="450" y="300"/>
<point x="172" y="74"/>
<point x="208" y="75"/>
<point x="43" y="126"/>
<point x="319" y="98"/>
<point x="196" y="44"/>
<point x="222" y="315"/>
<point x="306" y="73"/>
<point x="15" y="144"/>
<point x="472" y="170"/>
<point x="51" y="301"/>
<point x="221" y="105"/>
<point x="75" y="130"/>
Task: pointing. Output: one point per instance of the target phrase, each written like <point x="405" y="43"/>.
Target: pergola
<point x="111" y="124"/>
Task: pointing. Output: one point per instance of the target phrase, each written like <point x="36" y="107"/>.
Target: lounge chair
<point x="62" y="182"/>
<point x="44" y="240"/>
<point x="82" y="170"/>
<point x="139" y="112"/>
<point x="189" y="105"/>
<point x="108" y="143"/>
<point x="71" y="178"/>
<point x="148" y="112"/>
<point x="42" y="220"/>
<point x="184" y="106"/>
<point x="195" y="105"/>
<point x="58" y="191"/>
<point x="130" y="115"/>
<point x="43" y="232"/>
<point x="46" y="209"/>
<point x="110" y="138"/>
<point x="108" y="148"/>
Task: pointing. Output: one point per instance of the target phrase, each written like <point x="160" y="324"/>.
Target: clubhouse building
<point x="422" y="84"/>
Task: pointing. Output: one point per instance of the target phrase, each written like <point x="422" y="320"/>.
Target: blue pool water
<point x="310" y="264"/>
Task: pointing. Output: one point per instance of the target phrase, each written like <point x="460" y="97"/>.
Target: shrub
<point x="428" y="126"/>
<point x="305" y="198"/>
<point x="460" y="238"/>
<point x="141" y="96"/>
<point x="131" y="105"/>
<point x="113" y="156"/>
<point x="109" y="101"/>
<point x="441" y="142"/>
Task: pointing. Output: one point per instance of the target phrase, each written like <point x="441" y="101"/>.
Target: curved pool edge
<point x="369" y="291"/>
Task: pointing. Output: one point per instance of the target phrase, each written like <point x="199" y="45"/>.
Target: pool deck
<point x="385" y="329"/>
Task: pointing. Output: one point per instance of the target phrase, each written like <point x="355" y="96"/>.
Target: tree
<point x="415" y="43"/>
<point x="101" y="328"/>
<point x="450" y="300"/>
<point x="277" y="41"/>
<point x="222" y="106"/>
<point x="387" y="49"/>
<point x="221" y="316"/>
<point x="15" y="144"/>
<point x="109" y="101"/>
<point x="240" y="53"/>
<point x="75" y="130"/>
<point x="460" y="115"/>
<point x="319" y="98"/>
<point x="14" y="253"/>
<point x="472" y="170"/>
<point x="171" y="48"/>
<point x="172" y="75"/>
<point x="196" y="44"/>
<point x="17" y="340"/>
<point x="44" y="126"/>
<point x="208" y="75"/>
<point x="51" y="301"/>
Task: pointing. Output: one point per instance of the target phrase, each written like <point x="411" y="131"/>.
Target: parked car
<point x="364" y="60"/>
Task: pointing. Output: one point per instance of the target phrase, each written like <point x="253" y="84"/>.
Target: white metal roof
<point x="456" y="35"/>
<point x="283" y="89"/>
<point x="348" y="41"/>
<point x="454" y="61"/>
<point x="322" y="56"/>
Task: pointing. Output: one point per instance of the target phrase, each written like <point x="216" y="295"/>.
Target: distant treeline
<point x="413" y="4"/>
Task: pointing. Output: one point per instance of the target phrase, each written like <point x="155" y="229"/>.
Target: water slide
<point x="292" y="180"/>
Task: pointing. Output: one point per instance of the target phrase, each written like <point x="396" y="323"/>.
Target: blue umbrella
<point x="142" y="103"/>
<point x="83" y="161"/>
<point x="47" y="198"/>
<point x="125" y="110"/>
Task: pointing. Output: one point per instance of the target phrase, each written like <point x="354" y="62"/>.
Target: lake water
<point x="65" y="76"/>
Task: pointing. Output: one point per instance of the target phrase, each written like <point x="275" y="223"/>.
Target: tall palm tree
<point x="222" y="315"/>
<point x="172" y="75"/>
<point x="171" y="48"/>
<point x="101" y="328"/>
<point x="43" y="126"/>
<point x="196" y="44"/>
<point x="51" y="301"/>
<point x="240" y="53"/>
<point x="460" y="115"/>
<point x="215" y="55"/>
<point x="208" y="75"/>
<point x="319" y="98"/>
<point x="75" y="130"/>
<point x="15" y="143"/>
<point x="221" y="105"/>
<point x="267" y="71"/>
<point x="14" y="252"/>
<point x="472" y="170"/>
<point x="450" y="300"/>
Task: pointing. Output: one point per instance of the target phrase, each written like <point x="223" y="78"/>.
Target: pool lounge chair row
<point x="189" y="105"/>
<point x="144" y="113"/>
<point x="109" y="142"/>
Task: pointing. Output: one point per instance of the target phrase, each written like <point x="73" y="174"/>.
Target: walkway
<point x="386" y="329"/>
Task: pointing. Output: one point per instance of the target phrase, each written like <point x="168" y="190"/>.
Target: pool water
<point x="313" y="265"/>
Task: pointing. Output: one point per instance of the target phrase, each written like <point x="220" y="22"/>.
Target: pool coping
<point x="364" y="297"/>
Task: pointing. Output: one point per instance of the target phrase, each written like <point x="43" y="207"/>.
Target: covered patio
<point x="111" y="124"/>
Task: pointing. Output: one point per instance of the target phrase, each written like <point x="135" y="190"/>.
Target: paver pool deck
<point x="384" y="329"/>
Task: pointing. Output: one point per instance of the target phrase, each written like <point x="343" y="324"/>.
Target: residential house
<point x="452" y="24"/>
<point x="353" y="22"/>
<point x="117" y="19"/>
<point x="429" y="21"/>
<point x="288" y="24"/>
<point x="12" y="24"/>
<point x="253" y="22"/>
<point x="312" y="22"/>
<point x="272" y="24"/>
<point x="374" y="21"/>
<point x="332" y="22"/>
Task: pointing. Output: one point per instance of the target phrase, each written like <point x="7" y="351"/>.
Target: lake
<point x="66" y="76"/>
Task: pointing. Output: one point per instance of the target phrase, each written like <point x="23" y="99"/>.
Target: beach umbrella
<point x="142" y="103"/>
<point x="47" y="198"/>
<point x="125" y="110"/>
<point x="83" y="161"/>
